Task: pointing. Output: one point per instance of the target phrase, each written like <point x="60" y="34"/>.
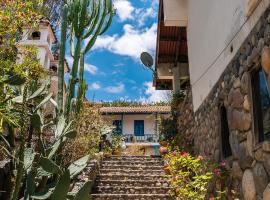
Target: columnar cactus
<point x="89" y="19"/>
<point x="61" y="69"/>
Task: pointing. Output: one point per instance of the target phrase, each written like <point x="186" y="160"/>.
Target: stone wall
<point x="250" y="161"/>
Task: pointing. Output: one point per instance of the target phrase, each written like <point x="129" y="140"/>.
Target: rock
<point x="246" y="103"/>
<point x="245" y="160"/>
<point x="266" y="193"/>
<point x="237" y="99"/>
<point x="250" y="143"/>
<point x="260" y="45"/>
<point x="234" y="144"/>
<point x="248" y="185"/>
<point x="266" y="146"/>
<point x="260" y="178"/>
<point x="245" y="83"/>
<point x="240" y="120"/>
<point x="265" y="59"/>
<point x="237" y="83"/>
<point x="236" y="170"/>
<point x="258" y="154"/>
<point x="266" y="163"/>
<point x="254" y="56"/>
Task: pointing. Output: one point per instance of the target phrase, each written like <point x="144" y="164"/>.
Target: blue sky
<point x="113" y="70"/>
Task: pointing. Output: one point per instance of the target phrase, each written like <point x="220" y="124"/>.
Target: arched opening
<point x="53" y="68"/>
<point x="35" y="35"/>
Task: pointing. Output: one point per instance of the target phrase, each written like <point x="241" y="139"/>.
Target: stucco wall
<point x="216" y="30"/>
<point x="128" y="125"/>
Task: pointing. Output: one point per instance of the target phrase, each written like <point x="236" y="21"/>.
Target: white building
<point x="225" y="45"/>
<point x="138" y="123"/>
<point x="44" y="38"/>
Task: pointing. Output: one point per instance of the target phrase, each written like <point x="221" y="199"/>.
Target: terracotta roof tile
<point x="136" y="109"/>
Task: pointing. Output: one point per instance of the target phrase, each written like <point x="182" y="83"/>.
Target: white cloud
<point x="124" y="9"/>
<point x="115" y="89"/>
<point x="94" y="86"/>
<point x="152" y="95"/>
<point x="132" y="43"/>
<point x="90" y="68"/>
<point x="87" y="67"/>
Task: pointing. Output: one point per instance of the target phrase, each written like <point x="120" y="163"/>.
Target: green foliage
<point x="120" y="103"/>
<point x="76" y="167"/>
<point x="83" y="194"/>
<point x="90" y="128"/>
<point x="116" y="142"/>
<point x="190" y="176"/>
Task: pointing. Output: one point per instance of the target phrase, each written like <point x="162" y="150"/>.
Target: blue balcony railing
<point x="144" y="138"/>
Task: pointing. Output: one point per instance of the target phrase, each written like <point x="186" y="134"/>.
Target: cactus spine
<point x="61" y="70"/>
<point x="90" y="18"/>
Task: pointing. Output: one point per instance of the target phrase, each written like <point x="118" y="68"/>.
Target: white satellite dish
<point x="147" y="60"/>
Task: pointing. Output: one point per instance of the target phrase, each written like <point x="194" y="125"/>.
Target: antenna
<point x="147" y="60"/>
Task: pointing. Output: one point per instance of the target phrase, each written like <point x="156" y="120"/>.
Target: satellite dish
<point x="147" y="59"/>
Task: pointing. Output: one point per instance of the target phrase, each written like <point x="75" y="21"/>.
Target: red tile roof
<point x="136" y="109"/>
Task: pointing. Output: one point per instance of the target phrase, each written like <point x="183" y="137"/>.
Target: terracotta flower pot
<point x="163" y="143"/>
<point x="163" y="150"/>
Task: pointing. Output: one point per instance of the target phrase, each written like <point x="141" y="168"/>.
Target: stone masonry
<point x="250" y="160"/>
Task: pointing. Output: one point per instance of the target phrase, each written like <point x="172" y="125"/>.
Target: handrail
<point x="143" y="138"/>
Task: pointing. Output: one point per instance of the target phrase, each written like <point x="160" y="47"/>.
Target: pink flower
<point x="223" y="163"/>
<point x="174" y="153"/>
<point x="217" y="171"/>
<point x="185" y="154"/>
<point x="200" y="157"/>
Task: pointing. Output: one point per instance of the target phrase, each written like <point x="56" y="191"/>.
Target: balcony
<point x="151" y="138"/>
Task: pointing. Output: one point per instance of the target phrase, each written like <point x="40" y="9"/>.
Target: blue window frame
<point x="117" y="127"/>
<point x="139" y="127"/>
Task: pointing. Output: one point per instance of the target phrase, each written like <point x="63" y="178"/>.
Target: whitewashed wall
<point x="128" y="128"/>
<point x="214" y="28"/>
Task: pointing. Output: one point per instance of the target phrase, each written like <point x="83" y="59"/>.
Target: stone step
<point x="135" y="162"/>
<point x="134" y="183"/>
<point x="130" y="190"/>
<point x="131" y="177"/>
<point x="133" y="158"/>
<point x="134" y="172"/>
<point x="131" y="196"/>
<point x="134" y="167"/>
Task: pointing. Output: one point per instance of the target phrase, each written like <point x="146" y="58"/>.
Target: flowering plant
<point x="190" y="175"/>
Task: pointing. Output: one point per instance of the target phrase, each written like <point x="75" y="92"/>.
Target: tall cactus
<point x="90" y="18"/>
<point x="61" y="69"/>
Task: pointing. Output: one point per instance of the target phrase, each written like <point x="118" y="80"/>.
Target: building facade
<point x="140" y="123"/>
<point x="44" y="39"/>
<point x="226" y="111"/>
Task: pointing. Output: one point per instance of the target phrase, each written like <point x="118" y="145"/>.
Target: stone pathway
<point x="131" y="177"/>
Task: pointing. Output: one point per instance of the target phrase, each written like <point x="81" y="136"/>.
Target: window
<point x="53" y="68"/>
<point x="261" y="105"/>
<point x="117" y="127"/>
<point x="139" y="128"/>
<point x="34" y="35"/>
<point x="225" y="133"/>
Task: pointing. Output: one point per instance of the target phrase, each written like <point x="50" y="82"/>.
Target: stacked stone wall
<point x="250" y="160"/>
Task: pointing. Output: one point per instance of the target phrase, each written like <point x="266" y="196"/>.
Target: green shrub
<point x="190" y="175"/>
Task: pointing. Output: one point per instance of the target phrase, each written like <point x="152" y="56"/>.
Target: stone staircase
<point x="131" y="177"/>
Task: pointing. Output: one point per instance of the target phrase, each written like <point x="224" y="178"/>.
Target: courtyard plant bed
<point x="195" y="177"/>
